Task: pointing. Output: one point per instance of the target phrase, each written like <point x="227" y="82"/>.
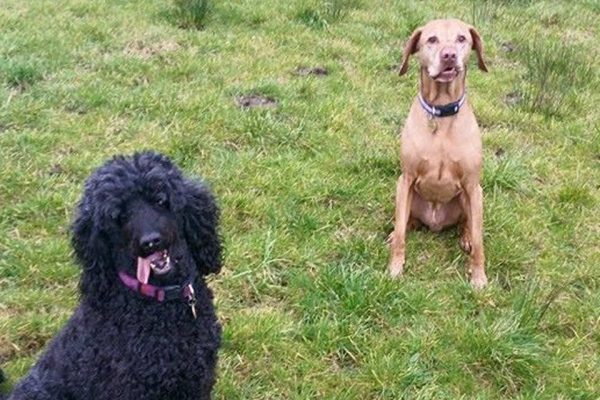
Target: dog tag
<point x="432" y="124"/>
<point x="192" y="300"/>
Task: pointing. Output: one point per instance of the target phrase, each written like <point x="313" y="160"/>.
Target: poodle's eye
<point x="461" y="38"/>
<point x="162" y="201"/>
<point x="432" y="40"/>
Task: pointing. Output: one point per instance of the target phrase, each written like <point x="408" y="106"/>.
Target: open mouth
<point x="448" y="74"/>
<point x="158" y="263"/>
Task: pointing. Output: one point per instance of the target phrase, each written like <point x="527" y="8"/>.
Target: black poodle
<point x="146" y="328"/>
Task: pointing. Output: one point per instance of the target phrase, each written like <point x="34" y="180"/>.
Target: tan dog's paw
<point x="465" y="241"/>
<point x="465" y="244"/>
<point x="478" y="278"/>
<point x="397" y="266"/>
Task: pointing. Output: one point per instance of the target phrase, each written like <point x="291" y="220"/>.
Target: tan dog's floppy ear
<point x="478" y="47"/>
<point x="410" y="48"/>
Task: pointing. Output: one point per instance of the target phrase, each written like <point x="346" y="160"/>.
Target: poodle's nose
<point x="151" y="242"/>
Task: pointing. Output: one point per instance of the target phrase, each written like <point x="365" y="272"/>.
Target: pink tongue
<point x="143" y="270"/>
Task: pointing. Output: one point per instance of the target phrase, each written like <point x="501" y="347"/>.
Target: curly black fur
<point x="119" y="344"/>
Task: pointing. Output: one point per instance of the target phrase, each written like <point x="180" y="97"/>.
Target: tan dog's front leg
<point x="475" y="227"/>
<point x="398" y="236"/>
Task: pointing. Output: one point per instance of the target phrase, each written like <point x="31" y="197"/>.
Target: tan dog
<point x="441" y="150"/>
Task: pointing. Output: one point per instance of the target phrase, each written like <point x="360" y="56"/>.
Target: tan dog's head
<point x="443" y="48"/>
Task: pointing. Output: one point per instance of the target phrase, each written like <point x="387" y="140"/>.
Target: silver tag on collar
<point x="192" y="300"/>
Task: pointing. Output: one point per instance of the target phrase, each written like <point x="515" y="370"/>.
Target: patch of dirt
<point x="508" y="47"/>
<point x="143" y="50"/>
<point x="317" y="71"/>
<point x="56" y="169"/>
<point x="255" y="100"/>
<point x="551" y="20"/>
<point x="78" y="109"/>
<point x="66" y="151"/>
<point x="394" y="68"/>
<point x="141" y="81"/>
<point x="499" y="152"/>
<point x="513" y="98"/>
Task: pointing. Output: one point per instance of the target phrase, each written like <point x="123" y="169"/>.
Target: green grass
<point x="191" y="13"/>
<point x="556" y="74"/>
<point x="307" y="187"/>
<point x="320" y="14"/>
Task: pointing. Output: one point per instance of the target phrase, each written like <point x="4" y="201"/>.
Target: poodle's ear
<point x="91" y="249"/>
<point x="200" y="223"/>
<point x="82" y="232"/>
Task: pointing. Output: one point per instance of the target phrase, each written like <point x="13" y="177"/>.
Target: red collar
<point x="184" y="291"/>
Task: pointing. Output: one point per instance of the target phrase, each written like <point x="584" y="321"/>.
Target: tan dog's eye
<point x="432" y="40"/>
<point x="461" y="39"/>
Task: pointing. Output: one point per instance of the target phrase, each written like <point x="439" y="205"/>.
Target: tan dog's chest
<point x="439" y="161"/>
<point x="438" y="188"/>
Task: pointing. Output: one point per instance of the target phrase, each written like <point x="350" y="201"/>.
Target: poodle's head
<point x="139" y="215"/>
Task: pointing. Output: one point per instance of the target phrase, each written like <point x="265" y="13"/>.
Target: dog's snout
<point x="448" y="54"/>
<point x="151" y="242"/>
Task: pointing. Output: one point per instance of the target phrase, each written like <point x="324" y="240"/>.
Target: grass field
<point x="306" y="187"/>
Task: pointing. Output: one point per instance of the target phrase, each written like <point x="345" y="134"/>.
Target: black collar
<point x="446" y="110"/>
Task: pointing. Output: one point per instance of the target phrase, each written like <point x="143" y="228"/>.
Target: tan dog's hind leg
<point x="475" y="228"/>
<point x="398" y="237"/>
